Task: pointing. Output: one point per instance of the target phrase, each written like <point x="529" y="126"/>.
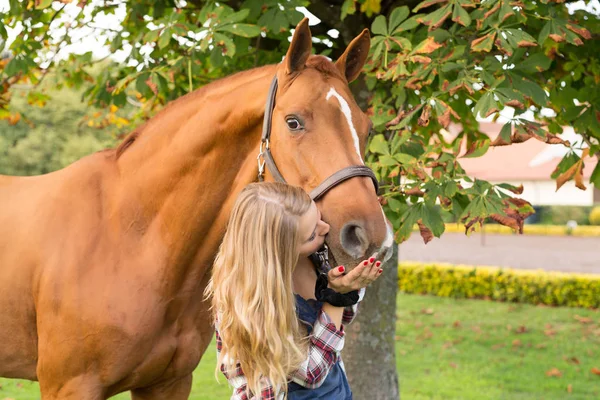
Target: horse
<point x="103" y="264"/>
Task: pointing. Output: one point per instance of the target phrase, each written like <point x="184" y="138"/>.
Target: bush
<point x="538" y="230"/>
<point x="560" y="215"/>
<point x="595" y="216"/>
<point x="522" y="286"/>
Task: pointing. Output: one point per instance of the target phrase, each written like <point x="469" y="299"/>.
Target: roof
<point x="532" y="160"/>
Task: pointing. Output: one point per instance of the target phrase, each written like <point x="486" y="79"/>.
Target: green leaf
<point x="483" y="43"/>
<point x="379" y="145"/>
<point x="235" y="17"/>
<point x="461" y="16"/>
<point x="244" y="30"/>
<point x="407" y="25"/>
<point x="165" y="38"/>
<point x="348" y="8"/>
<point x="397" y="16"/>
<point x="41" y="4"/>
<point x="404" y="158"/>
<point x="387" y="161"/>
<point x="378" y="27"/>
<point x="505" y="133"/>
<point x="567" y="162"/>
<point x="486" y="106"/>
<point x="477" y="148"/>
<point x="595" y="178"/>
<point x="537" y="62"/>
<point x="532" y="90"/>
<point x="431" y="218"/>
<point x="394" y="204"/>
<point x="450" y="189"/>
<point x="409" y="219"/>
<point x="546" y="30"/>
<point x="427" y="3"/>
<point x="226" y="42"/>
<point x="519" y="38"/>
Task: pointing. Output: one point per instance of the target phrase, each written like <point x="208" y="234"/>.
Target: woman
<point x="279" y="318"/>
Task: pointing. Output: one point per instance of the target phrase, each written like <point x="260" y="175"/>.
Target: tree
<point x="432" y="63"/>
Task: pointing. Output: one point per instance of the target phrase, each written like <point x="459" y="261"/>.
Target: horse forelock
<point x="324" y="65"/>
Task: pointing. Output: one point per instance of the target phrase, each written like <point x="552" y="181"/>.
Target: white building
<point x="531" y="163"/>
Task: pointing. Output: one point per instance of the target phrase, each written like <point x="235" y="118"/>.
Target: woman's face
<point x="312" y="231"/>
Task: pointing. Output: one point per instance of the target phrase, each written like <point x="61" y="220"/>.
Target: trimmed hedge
<point x="541" y="230"/>
<point x="500" y="284"/>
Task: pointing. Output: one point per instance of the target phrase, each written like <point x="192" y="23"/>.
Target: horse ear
<point x="300" y="48"/>
<point x="351" y="62"/>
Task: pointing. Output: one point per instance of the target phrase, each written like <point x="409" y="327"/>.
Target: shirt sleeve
<point x="350" y="311"/>
<point x="325" y="344"/>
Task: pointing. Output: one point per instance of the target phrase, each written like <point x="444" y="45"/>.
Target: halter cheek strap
<point x="268" y="161"/>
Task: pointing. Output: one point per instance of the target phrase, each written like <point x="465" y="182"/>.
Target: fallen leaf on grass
<point x="521" y="329"/>
<point x="427" y="311"/>
<point x="453" y="365"/>
<point x="595" y="371"/>
<point x="541" y="346"/>
<point x="573" y="360"/>
<point x="570" y="388"/>
<point x="456" y="324"/>
<point x="583" y="320"/>
<point x="554" y="372"/>
<point x="396" y="338"/>
<point x="549" y="332"/>
<point x="498" y="346"/>
<point x="516" y="343"/>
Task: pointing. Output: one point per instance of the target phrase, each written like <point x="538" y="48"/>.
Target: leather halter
<point x="268" y="161"/>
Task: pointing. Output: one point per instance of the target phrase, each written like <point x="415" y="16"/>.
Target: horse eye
<point x="293" y="124"/>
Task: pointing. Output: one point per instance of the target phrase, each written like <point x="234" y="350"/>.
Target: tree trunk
<point x="369" y="354"/>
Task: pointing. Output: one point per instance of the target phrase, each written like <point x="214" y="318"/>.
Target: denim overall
<point x="335" y="386"/>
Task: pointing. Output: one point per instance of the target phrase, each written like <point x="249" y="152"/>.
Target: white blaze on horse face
<point x="348" y="114"/>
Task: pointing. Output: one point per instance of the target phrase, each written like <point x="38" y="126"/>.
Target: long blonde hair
<point x="251" y="285"/>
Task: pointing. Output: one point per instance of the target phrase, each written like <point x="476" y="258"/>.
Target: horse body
<point x="103" y="264"/>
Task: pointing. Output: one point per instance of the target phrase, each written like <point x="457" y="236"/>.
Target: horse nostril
<point x="353" y="238"/>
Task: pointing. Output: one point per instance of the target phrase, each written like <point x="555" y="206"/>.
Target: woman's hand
<point x="363" y="275"/>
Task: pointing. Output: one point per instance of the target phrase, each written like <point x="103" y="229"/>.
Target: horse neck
<point x="181" y="174"/>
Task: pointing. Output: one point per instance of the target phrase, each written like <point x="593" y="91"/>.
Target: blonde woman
<point x="279" y="315"/>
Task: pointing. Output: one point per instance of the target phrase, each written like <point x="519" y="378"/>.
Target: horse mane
<point x="318" y="62"/>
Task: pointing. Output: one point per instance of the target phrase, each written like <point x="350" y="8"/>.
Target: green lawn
<point x="464" y="349"/>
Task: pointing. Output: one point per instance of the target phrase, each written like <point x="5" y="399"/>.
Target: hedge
<point x="542" y="230"/>
<point x="500" y="284"/>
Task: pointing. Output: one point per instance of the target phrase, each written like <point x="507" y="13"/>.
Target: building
<point x="531" y="163"/>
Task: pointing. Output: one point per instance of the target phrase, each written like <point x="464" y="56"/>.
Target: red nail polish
<point x="380" y="271"/>
<point x="341" y="268"/>
<point x="371" y="259"/>
<point x="365" y="263"/>
<point x="378" y="263"/>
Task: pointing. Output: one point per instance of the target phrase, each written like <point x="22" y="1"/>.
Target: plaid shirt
<point x="326" y="343"/>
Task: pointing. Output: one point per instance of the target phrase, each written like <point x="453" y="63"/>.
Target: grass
<point x="463" y="349"/>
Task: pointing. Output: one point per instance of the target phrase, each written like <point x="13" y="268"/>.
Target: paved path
<point x="569" y="254"/>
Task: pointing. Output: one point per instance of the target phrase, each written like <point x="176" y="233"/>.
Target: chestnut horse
<point x="103" y="263"/>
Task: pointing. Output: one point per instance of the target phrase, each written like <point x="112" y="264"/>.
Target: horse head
<point x="317" y="129"/>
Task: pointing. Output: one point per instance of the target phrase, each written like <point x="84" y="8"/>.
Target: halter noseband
<point x="268" y="162"/>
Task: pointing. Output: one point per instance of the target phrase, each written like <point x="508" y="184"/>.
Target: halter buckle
<point x="264" y="146"/>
